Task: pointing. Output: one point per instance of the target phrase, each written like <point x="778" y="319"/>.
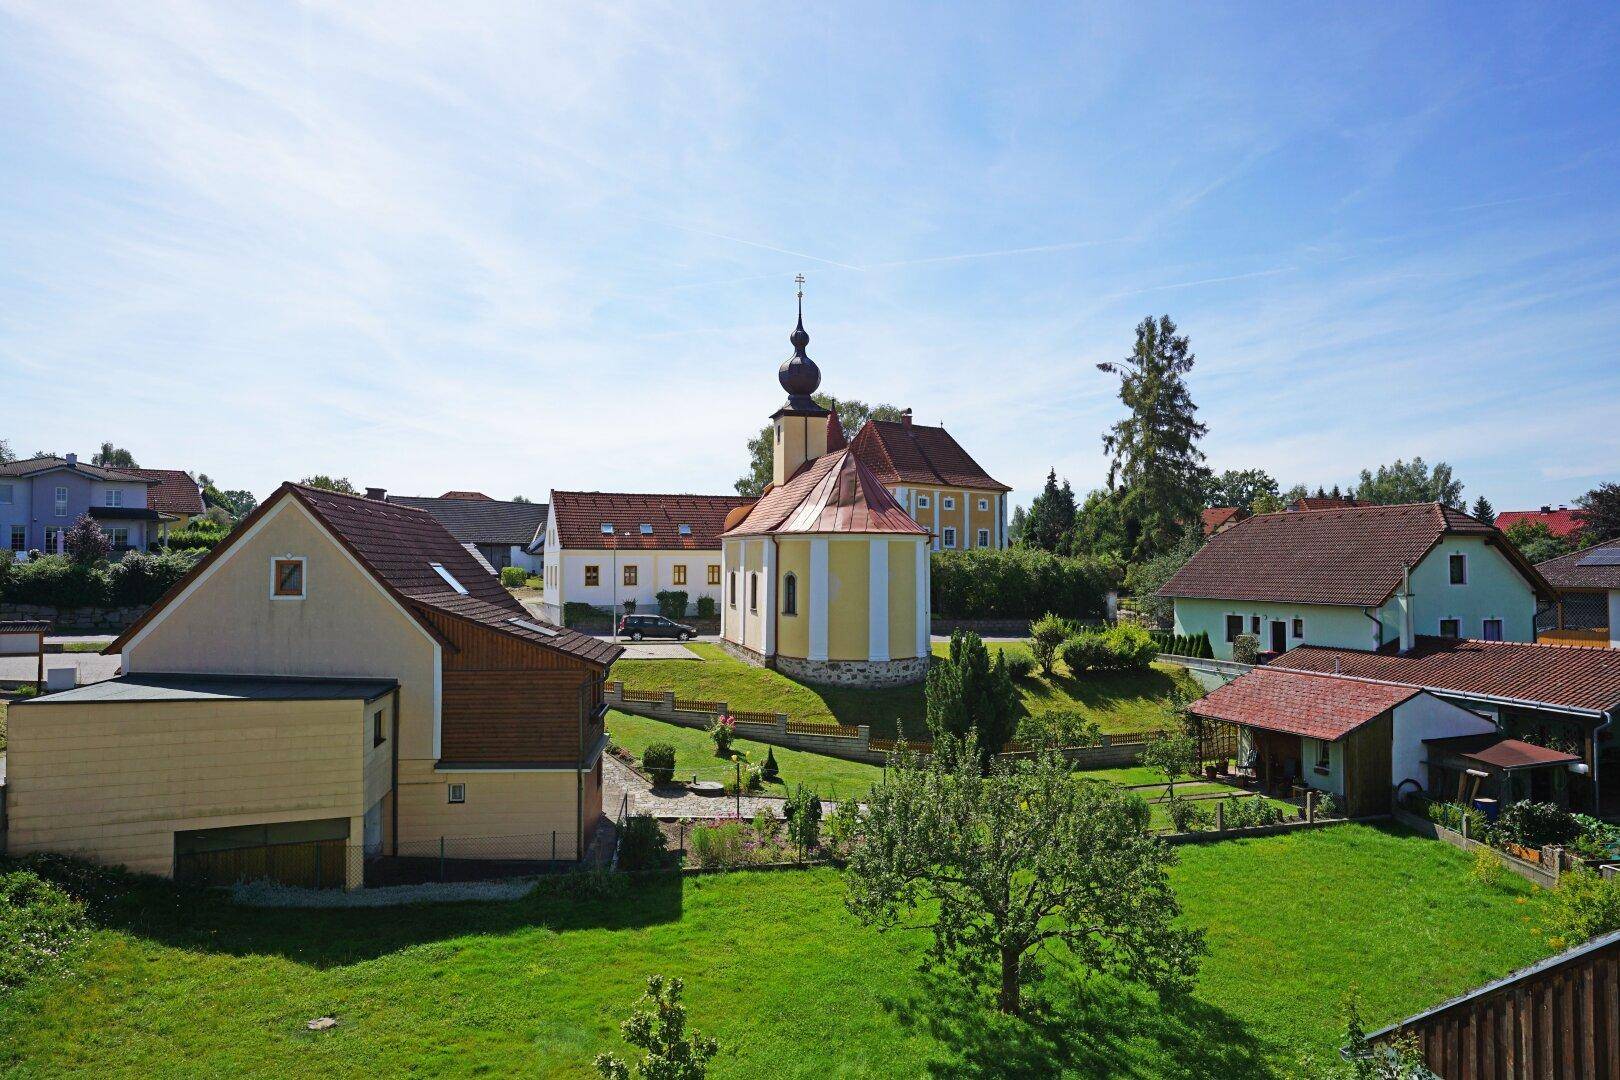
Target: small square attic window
<point x="449" y="578"/>
<point x="646" y="529"/>
<point x="686" y="530"/>
<point x="607" y="528"/>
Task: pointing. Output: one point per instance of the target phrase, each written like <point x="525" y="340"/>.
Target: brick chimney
<point x="376" y="494"/>
<point x="905" y="418"/>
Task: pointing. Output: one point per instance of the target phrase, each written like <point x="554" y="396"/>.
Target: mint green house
<point x="1357" y="578"/>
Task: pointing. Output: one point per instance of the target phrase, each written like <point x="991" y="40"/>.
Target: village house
<point x="41" y="498"/>
<point x="1357" y="577"/>
<point x="606" y="549"/>
<point x="936" y="481"/>
<point x="504" y="533"/>
<point x="340" y="676"/>
<point x="1588" y="608"/>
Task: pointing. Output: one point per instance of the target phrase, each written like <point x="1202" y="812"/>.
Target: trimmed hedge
<point x="514" y="577"/>
<point x="1017" y="583"/>
<point x="57" y="581"/>
<point x="672" y="603"/>
<point x="1122" y="647"/>
<point x="1197" y="645"/>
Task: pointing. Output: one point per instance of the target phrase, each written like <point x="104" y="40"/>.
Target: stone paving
<point x="618" y="779"/>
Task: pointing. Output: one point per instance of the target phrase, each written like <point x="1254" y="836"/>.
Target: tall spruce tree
<point x="1156" y="465"/>
<point x="1484" y="511"/>
<point x="1051" y="516"/>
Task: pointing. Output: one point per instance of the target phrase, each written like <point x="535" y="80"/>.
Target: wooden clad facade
<point x="1367" y="759"/>
<point x="508" y="701"/>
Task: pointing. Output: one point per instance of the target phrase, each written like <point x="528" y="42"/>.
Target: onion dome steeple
<point x="799" y="375"/>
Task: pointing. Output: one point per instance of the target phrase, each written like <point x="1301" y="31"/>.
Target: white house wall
<point x="1427" y="717"/>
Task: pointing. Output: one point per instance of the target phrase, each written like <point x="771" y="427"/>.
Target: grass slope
<point x="832" y="778"/>
<point x="775" y="968"/>
<point x="1118" y="702"/>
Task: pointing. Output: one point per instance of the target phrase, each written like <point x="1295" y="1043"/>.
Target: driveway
<point x="657" y="650"/>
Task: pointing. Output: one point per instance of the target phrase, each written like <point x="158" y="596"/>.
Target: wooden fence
<point x="1558" y="1018"/>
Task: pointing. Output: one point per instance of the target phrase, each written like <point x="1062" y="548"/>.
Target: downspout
<point x="1408" y="630"/>
<point x="1597" y="784"/>
<point x="1378" y="628"/>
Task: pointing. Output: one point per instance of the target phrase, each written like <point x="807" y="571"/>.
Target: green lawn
<point x="775" y="968"/>
<point x="833" y="778"/>
<point x="1119" y="703"/>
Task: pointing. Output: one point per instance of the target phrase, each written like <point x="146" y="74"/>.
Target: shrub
<point x="1186" y="815"/>
<point x="659" y="761"/>
<point x="803" y="810"/>
<point x="658" y="1029"/>
<point x="1046" y="636"/>
<point x="1583" y="906"/>
<point x="719" y="844"/>
<point x="1535" y="825"/>
<point x="57" y="581"/>
<point x="1246" y="649"/>
<point x="139" y="578"/>
<point x="1451" y="816"/>
<point x="705" y="607"/>
<point x="39" y="924"/>
<point x="1016" y="583"/>
<point x="1057" y="727"/>
<point x="1130" y="647"/>
<point x="643" y="845"/>
<point x="672" y="603"/>
<point x="844" y="826"/>
<point x="514" y="577"/>
<point x="965" y="691"/>
<point x="1325" y="804"/>
<point x="198" y="535"/>
<point x="1020" y="662"/>
<point x="576" y="613"/>
<point x="1598" y="839"/>
<point x="1083" y="652"/>
<point x="770" y="770"/>
<point x="1487" y="869"/>
<point x="1251" y="812"/>
<point x="1201" y="646"/>
<point x="86" y="544"/>
<point x="723" y="731"/>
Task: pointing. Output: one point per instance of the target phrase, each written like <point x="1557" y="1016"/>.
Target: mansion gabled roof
<point x="1595" y="567"/>
<point x="174" y="491"/>
<point x="622" y="521"/>
<point x="900" y="452"/>
<point x="34" y="466"/>
<point x="1353" y="556"/>
<point x="482" y="520"/>
<point x="833" y="493"/>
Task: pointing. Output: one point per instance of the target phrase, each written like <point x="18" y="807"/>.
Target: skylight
<point x="686" y="530"/>
<point x="646" y="529"/>
<point x="449" y="578"/>
<point x="607" y="528"/>
<point x="535" y="627"/>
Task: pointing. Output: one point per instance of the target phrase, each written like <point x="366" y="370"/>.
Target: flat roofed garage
<point x="223" y="777"/>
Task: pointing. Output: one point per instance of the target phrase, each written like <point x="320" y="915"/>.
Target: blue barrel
<point x="1487" y="807"/>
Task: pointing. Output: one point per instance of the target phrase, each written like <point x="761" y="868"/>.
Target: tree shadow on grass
<point x="1091" y="1028"/>
<point x="205" y="920"/>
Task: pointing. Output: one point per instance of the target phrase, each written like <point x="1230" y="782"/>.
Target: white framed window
<point x="1234" y="627"/>
<point x="753" y="592"/>
<point x="1491" y="630"/>
<point x="19" y="538"/>
<point x="61" y="502"/>
<point x="53" y="539"/>
<point x="1324" y="757"/>
<point x="119" y="537"/>
<point x="1451" y="628"/>
<point x="115" y="496"/>
<point x="948" y="537"/>
<point x="1299" y="627"/>
<point x="457" y="792"/>
<point x="922" y="502"/>
<point x="287" y="580"/>
<point x="984" y="504"/>
<point x="950" y="502"/>
<point x="8" y="492"/>
<point x="1457" y="566"/>
<point x="984" y="538"/>
<point x="1254" y="625"/>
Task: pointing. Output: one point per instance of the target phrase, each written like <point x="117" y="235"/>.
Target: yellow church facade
<point x="826" y="575"/>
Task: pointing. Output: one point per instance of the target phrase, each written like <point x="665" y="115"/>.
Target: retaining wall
<point x="1545" y="875"/>
<point x="100" y="620"/>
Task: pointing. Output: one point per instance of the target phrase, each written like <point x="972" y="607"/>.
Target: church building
<point x="826" y="574"/>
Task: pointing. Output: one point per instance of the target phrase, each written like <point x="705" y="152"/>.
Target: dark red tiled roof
<point x="1326" y="502"/>
<point x="1216" y="516"/>
<point x="1501" y="752"/>
<point x="580" y="515"/>
<point x="175" y="491"/>
<point x="902" y="453"/>
<point x="397" y="545"/>
<point x="1350" y="556"/>
<point x="834" y="493"/>
<point x="1565" y="676"/>
<point x="1567" y="571"/>
<point x="1561" y="523"/>
<point x="1315" y="706"/>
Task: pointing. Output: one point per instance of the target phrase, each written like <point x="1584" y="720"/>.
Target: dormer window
<point x="685" y="530"/>
<point x="449" y="578"/>
<point x="607" y="528"/>
<point x="646" y="529"/>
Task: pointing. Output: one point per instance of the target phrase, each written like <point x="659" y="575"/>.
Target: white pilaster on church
<point x="768" y="604"/>
<point x="818" y="598"/>
<point x="877" y="599"/>
<point x="924" y="631"/>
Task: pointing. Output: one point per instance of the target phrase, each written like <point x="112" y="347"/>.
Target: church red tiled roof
<point x="900" y="452"/>
<point x="834" y="493"/>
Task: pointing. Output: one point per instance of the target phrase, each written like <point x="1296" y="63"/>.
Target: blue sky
<point x="512" y="249"/>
